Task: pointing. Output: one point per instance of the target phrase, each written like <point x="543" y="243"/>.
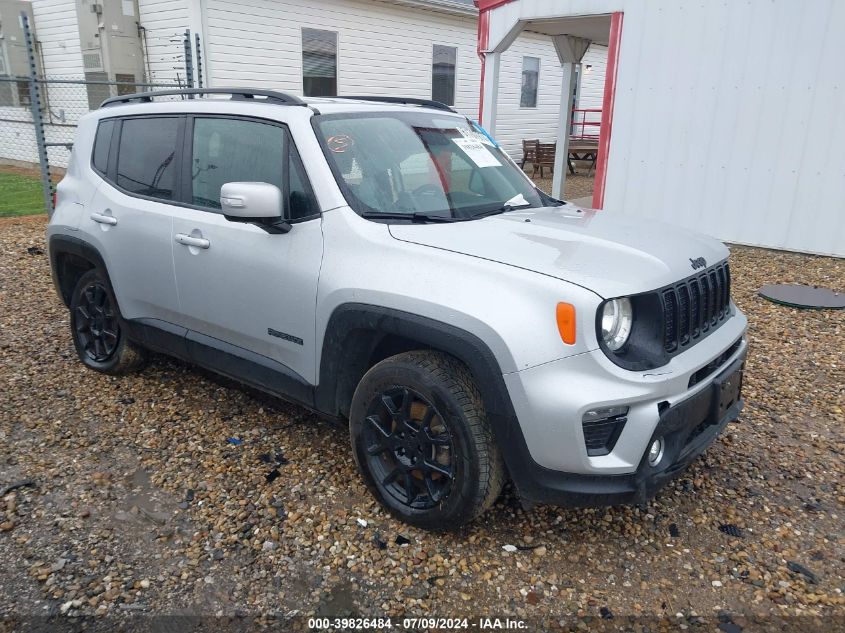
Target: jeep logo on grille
<point x="698" y="262"/>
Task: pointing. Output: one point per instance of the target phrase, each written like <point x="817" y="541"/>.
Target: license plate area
<point x="727" y="388"/>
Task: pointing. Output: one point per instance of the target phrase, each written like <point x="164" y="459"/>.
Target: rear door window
<point x="146" y="158"/>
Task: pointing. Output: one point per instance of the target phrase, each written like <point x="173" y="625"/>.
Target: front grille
<point x="695" y="306"/>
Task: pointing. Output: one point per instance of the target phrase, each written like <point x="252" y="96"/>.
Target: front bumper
<point x="687" y="428"/>
<point x="674" y="402"/>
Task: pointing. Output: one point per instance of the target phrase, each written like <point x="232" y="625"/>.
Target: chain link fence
<point x="63" y="102"/>
<point x="39" y="115"/>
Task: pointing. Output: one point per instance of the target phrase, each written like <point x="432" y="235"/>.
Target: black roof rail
<point x="245" y="94"/>
<point x="428" y="103"/>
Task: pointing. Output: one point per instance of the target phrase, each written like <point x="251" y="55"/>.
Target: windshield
<point x="422" y="164"/>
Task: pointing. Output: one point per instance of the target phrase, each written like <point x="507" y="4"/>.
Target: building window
<point x="444" y="59"/>
<point x="319" y="63"/>
<point x="530" y="78"/>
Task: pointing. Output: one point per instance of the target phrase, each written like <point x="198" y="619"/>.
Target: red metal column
<point x="484" y="7"/>
<point x="607" y="107"/>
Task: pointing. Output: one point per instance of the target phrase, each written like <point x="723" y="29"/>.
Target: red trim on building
<point x="481" y="46"/>
<point x="607" y="107"/>
<point x="486" y="5"/>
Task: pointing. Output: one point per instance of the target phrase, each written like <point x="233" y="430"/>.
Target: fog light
<point x="655" y="452"/>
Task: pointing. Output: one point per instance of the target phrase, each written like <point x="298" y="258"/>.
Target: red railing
<point x="586" y="124"/>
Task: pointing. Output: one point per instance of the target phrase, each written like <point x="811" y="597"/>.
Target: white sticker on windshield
<point x="475" y="135"/>
<point x="477" y="152"/>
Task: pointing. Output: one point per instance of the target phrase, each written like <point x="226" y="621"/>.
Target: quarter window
<point x="319" y="63"/>
<point x="233" y="150"/>
<point x="530" y="79"/>
<point x="146" y="162"/>
<point x="102" y="142"/>
<point x="444" y="59"/>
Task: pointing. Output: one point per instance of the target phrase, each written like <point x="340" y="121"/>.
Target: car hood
<point x="613" y="255"/>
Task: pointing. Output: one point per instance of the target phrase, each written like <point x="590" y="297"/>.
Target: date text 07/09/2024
<point x="421" y="623"/>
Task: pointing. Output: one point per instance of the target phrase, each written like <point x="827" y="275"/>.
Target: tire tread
<point x="454" y="376"/>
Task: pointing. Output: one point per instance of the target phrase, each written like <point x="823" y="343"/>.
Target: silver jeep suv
<point x="383" y="261"/>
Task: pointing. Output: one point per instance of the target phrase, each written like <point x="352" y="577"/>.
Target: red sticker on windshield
<point x="340" y="143"/>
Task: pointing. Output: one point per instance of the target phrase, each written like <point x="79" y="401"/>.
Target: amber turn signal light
<point x="566" y="322"/>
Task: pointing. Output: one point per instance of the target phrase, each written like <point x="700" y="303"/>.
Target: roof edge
<point x="455" y="7"/>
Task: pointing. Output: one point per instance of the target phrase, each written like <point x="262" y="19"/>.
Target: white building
<point x="413" y="48"/>
<point x="725" y="117"/>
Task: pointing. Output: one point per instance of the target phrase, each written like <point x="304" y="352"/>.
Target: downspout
<point x="481" y="48"/>
<point x="145" y="49"/>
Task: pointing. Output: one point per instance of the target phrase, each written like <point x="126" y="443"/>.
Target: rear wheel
<point x="421" y="440"/>
<point x="96" y="328"/>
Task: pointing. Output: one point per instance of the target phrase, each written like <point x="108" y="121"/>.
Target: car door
<point x="247" y="295"/>
<point x="129" y="217"/>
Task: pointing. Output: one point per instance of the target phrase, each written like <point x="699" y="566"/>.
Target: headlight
<point x="616" y="321"/>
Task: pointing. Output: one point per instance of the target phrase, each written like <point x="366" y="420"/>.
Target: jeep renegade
<point x="382" y="260"/>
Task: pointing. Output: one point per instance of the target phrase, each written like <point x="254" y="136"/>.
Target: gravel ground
<point x="578" y="186"/>
<point x="139" y="503"/>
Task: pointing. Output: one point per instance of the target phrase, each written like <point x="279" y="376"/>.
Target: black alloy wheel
<point x="421" y="440"/>
<point x="97" y="328"/>
<point x="96" y="323"/>
<point x="409" y="448"/>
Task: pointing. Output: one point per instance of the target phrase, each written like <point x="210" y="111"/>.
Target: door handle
<point x="187" y="240"/>
<point x="104" y="219"/>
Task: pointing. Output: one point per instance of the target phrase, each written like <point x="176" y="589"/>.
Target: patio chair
<point x="529" y="152"/>
<point x="545" y="158"/>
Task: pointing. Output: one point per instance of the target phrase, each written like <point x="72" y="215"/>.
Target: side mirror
<point x="256" y="202"/>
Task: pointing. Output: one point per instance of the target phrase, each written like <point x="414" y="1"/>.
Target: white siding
<point x="57" y="31"/>
<point x="728" y="116"/>
<point x="382" y="49"/>
<point x="17" y="141"/>
<point x="591" y="91"/>
<point x="515" y="123"/>
<point x="165" y="22"/>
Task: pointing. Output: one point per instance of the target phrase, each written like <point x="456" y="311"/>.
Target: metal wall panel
<point x="728" y="117"/>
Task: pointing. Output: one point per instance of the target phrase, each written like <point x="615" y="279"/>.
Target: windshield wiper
<point x="503" y="209"/>
<point x="517" y="202"/>
<point x="413" y="217"/>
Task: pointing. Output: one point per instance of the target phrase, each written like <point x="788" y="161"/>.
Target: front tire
<point x="421" y="439"/>
<point x="96" y="328"/>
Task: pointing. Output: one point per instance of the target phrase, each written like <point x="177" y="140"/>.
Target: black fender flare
<point x="61" y="244"/>
<point x="353" y="331"/>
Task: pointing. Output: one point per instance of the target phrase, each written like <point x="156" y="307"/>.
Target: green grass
<point x="20" y="195"/>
